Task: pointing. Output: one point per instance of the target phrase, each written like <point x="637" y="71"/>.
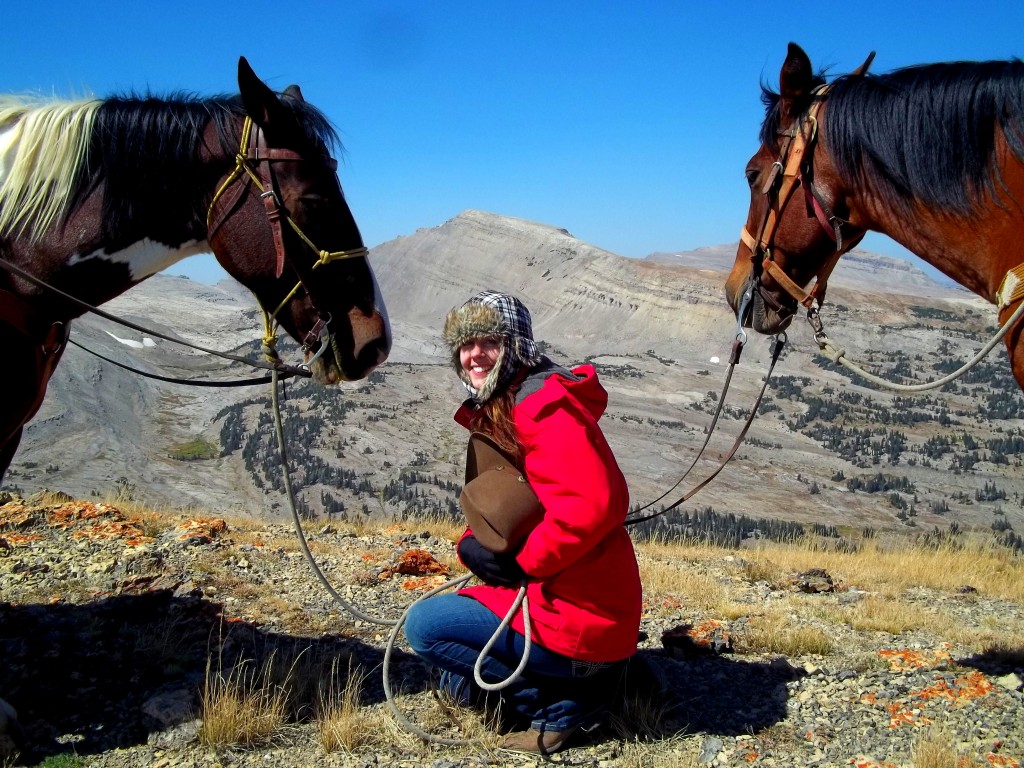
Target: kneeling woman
<point x="583" y="584"/>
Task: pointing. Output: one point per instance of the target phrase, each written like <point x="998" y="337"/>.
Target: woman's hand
<point x="490" y="567"/>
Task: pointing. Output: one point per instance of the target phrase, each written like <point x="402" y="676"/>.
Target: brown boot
<point x="538" y="742"/>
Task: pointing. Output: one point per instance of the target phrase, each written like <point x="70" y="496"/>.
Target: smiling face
<point x="478" y="357"/>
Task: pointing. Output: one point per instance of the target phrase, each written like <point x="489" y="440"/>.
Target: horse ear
<point x="863" y="68"/>
<point x="795" y="81"/>
<point x="261" y="103"/>
<point x="294" y="92"/>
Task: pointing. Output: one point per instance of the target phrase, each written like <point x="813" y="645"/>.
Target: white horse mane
<point x="41" y="149"/>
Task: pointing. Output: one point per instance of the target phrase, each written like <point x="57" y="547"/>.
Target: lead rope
<point x="289" y="491"/>
<point x="460" y="581"/>
<point x="838" y="355"/>
<point x="737" y="348"/>
<point x="275" y="363"/>
<point x="397" y="624"/>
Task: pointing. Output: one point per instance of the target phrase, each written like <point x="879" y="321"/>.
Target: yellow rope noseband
<point x="249" y="150"/>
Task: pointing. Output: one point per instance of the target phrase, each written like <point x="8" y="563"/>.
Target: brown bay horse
<point x="98" y="195"/>
<point x="930" y="155"/>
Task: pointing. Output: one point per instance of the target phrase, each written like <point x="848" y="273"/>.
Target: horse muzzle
<point x="765" y="311"/>
<point x="350" y="357"/>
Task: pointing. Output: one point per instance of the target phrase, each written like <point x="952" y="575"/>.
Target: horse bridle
<point x="796" y="166"/>
<point x="253" y="150"/>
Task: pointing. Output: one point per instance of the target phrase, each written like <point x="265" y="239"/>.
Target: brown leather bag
<point x="497" y="500"/>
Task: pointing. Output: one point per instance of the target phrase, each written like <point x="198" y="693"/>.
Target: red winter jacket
<point x="584" y="583"/>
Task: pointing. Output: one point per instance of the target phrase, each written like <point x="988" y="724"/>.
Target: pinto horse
<point x="98" y="195"/>
<point x="930" y="155"/>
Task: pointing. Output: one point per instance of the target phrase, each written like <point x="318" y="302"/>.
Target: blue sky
<point x="629" y="124"/>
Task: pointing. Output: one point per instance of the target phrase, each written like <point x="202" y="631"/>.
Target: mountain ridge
<point x="659" y="334"/>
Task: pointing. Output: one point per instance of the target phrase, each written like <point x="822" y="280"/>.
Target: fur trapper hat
<point x="490" y="314"/>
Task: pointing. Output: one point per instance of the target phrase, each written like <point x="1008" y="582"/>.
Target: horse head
<point x="279" y="224"/>
<point x="794" y="232"/>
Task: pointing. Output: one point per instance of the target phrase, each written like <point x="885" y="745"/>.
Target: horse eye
<point x="314" y="201"/>
<point x="752" y="174"/>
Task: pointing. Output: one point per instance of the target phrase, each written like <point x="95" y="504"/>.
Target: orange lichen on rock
<point x="67" y="515"/>
<point x="418" y="562"/>
<point x="97" y="522"/>
<point x="14" y="515"/>
<point x="1002" y="761"/>
<point x="961" y="690"/>
<point x="973" y="685"/>
<point x="201" y="530"/>
<point x="107" y="530"/>
<point x="423" y="583"/>
<point x="899" y="715"/>
<point x="902" y="660"/>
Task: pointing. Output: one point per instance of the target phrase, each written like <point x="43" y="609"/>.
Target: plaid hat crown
<point x="491" y="314"/>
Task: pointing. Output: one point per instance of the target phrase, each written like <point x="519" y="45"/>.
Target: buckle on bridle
<point x="319" y="332"/>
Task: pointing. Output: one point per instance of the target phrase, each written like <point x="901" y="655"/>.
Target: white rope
<point x="838" y="355"/>
<point x="279" y="431"/>
<point x="527" y="633"/>
<point x="405" y="722"/>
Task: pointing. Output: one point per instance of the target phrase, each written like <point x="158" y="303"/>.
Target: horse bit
<point x="252" y="147"/>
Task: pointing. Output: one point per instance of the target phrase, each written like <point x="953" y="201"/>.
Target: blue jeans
<point x="554" y="692"/>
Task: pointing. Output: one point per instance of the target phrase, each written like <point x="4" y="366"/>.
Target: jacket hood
<point x="546" y="387"/>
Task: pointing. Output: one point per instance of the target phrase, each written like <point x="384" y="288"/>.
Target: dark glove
<point x="490" y="567"/>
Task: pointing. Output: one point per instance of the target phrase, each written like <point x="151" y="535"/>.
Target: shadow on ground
<point x="81" y="675"/>
<point x="709" y="694"/>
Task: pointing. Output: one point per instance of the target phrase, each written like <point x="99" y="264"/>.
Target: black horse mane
<point x="924" y="133"/>
<point x="145" y="150"/>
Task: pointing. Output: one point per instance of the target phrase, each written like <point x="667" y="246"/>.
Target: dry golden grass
<point x="662" y="576"/>
<point x="775" y="632"/>
<point x="668" y="753"/>
<point x="342" y="724"/>
<point x="881" y="614"/>
<point x="890" y="571"/>
<point x="762" y="569"/>
<point x="245" y="707"/>
<point x="933" y="750"/>
<point x="781" y="736"/>
<point x="893" y="565"/>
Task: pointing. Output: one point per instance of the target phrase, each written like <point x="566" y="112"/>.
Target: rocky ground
<point x="114" y="621"/>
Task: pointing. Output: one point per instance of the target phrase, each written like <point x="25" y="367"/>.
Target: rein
<point x="777" y="346"/>
<point x="253" y="150"/>
<point x="171" y="379"/>
<point x="273" y="365"/>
